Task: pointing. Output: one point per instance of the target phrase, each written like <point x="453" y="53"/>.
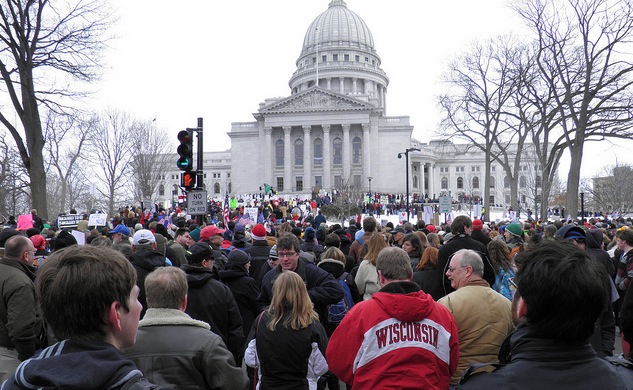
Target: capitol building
<point x="333" y="130"/>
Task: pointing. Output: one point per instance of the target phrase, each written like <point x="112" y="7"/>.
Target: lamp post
<point x="406" y="156"/>
<point x="582" y="207"/>
<point x="369" y="178"/>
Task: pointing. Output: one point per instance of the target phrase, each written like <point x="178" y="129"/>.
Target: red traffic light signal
<point x="188" y="179"/>
<point x="185" y="150"/>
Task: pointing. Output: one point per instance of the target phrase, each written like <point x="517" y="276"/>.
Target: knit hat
<point x="238" y="257"/>
<point x="39" y="242"/>
<point x="195" y="234"/>
<point x="431" y="228"/>
<point x="258" y="232"/>
<point x="477" y="224"/>
<point x="32" y="231"/>
<point x="273" y="253"/>
<point x="515" y="229"/>
<point x="65" y="239"/>
<point x="198" y="252"/>
<point x="309" y="234"/>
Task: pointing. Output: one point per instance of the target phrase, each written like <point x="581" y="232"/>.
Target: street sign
<point x="445" y="204"/>
<point x="197" y="202"/>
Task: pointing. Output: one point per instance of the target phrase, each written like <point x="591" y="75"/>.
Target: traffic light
<point x="185" y="150"/>
<point x="188" y="180"/>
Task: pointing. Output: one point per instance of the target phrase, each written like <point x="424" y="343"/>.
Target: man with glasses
<point x="483" y="316"/>
<point x="323" y="289"/>
<point x="20" y="317"/>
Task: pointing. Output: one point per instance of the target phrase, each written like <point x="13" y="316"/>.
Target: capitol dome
<point x="338" y="54"/>
<point x="338" y="26"/>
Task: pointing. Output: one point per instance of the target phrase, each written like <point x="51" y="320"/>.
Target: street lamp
<point x="369" y="178"/>
<point x="406" y="155"/>
<point x="582" y="207"/>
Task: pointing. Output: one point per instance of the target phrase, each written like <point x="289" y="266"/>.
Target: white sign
<point x="97" y="219"/>
<point x="252" y="213"/>
<point x="445" y="204"/>
<point x="197" y="202"/>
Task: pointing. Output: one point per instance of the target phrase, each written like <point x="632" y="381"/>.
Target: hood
<point x="149" y="260"/>
<point x="232" y="271"/>
<point x="334" y="267"/>
<point x="404" y="301"/>
<point x="594" y="238"/>
<point x="105" y="365"/>
<point x="197" y="276"/>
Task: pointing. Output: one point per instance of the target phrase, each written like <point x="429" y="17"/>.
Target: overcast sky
<point x="219" y="59"/>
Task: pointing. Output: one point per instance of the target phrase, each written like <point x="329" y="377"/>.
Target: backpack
<point x="336" y="311"/>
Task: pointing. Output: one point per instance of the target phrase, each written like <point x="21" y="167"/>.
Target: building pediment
<point x="315" y="99"/>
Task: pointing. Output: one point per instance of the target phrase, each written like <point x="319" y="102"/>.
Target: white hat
<point x="143" y="237"/>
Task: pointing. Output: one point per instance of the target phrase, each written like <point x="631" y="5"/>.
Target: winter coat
<point x="399" y="339"/>
<point x="543" y="364"/>
<point x="367" y="279"/>
<point x="144" y="262"/>
<point x="211" y="301"/>
<point x="336" y="268"/>
<point x="462" y="241"/>
<point x="245" y="291"/>
<point x="172" y="349"/>
<point x="259" y="251"/>
<point x="429" y="281"/>
<point x="484" y="320"/>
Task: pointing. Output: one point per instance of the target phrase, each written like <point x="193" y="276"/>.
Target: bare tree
<point x="113" y="148"/>
<point x="150" y="160"/>
<point x="45" y="45"/>
<point x="613" y="189"/>
<point x="66" y="138"/>
<point x="475" y="108"/>
<point x="14" y="195"/>
<point x="582" y="57"/>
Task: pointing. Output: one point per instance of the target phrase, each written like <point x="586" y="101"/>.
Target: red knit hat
<point x="477" y="224"/>
<point x="258" y="232"/>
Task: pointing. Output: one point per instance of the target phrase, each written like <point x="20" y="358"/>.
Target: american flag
<point x="225" y="211"/>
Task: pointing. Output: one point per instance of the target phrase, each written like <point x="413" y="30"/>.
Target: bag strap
<point x="255" y="375"/>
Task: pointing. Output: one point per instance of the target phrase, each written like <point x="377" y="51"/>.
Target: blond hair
<point x="374" y="246"/>
<point x="291" y="303"/>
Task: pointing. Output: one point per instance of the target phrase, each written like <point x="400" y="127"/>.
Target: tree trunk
<point x="574" y="178"/>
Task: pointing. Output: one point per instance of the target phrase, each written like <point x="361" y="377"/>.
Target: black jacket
<point x="144" y="263"/>
<point x="336" y="269"/>
<point x="462" y="241"/>
<point x="212" y="302"/>
<point x="430" y="281"/>
<point x="323" y="289"/>
<point x="259" y="255"/>
<point x="542" y="364"/>
<point x="245" y="291"/>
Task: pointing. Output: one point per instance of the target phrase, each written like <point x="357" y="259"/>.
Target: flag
<point x="225" y="211"/>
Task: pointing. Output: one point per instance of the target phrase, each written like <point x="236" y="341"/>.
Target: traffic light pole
<point x="199" y="167"/>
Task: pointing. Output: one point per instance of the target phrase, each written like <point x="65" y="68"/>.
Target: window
<point x="334" y="57"/>
<point x="230" y="187"/>
<point x="523" y="199"/>
<point x="357" y="181"/>
<point x="299" y="183"/>
<point x="338" y="183"/>
<point x="323" y="58"/>
<point x="522" y="181"/>
<point x="280" y="184"/>
<point x="357" y="58"/>
<point x="507" y="199"/>
<point x="299" y="153"/>
<point x="459" y="169"/>
<point x="493" y="168"/>
<point x="474" y="169"/>
<point x="460" y="183"/>
<point x="228" y="175"/>
<point x="366" y="59"/>
<point x="205" y="175"/>
<point x="346" y="57"/>
<point x="279" y="153"/>
<point x="356" y="151"/>
<point x="337" y="156"/>
<point x="538" y="181"/>
<point x="161" y="190"/>
<point x="475" y="182"/>
<point x="415" y="182"/>
<point x="492" y="181"/>
<point x="318" y="152"/>
<point x="318" y="181"/>
<point x="491" y="199"/>
<point x="314" y="60"/>
<point x="216" y="188"/>
<point x="506" y="182"/>
<point x="444" y="183"/>
<point x="443" y="169"/>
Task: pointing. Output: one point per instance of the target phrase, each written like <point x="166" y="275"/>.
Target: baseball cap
<point x="143" y="237"/>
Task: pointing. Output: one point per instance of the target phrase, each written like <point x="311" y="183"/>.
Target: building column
<point x="268" y="131"/>
<point x="329" y="83"/>
<point x="432" y="180"/>
<point x="346" y="151"/>
<point x="422" y="188"/>
<point x="327" y="159"/>
<point x="366" y="156"/>
<point x="354" y="85"/>
<point x="341" y="86"/>
<point x="307" y="159"/>
<point x="287" y="160"/>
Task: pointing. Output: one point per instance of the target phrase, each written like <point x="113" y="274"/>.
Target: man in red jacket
<point x="400" y="338"/>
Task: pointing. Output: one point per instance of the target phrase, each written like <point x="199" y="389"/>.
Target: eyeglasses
<point x="451" y="269"/>
<point x="286" y="254"/>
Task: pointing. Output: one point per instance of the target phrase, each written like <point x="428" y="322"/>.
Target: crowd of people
<point x="307" y="304"/>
